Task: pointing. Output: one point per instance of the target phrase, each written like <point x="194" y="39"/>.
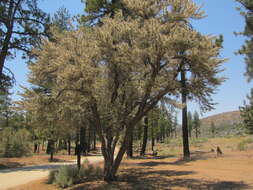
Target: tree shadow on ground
<point x="143" y="178"/>
<point x="151" y="157"/>
<point x="58" y="160"/>
<point x="34" y="168"/>
<point x="10" y="165"/>
<point x="197" y="155"/>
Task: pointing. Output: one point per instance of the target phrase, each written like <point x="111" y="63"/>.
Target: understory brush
<point x="69" y="175"/>
<point x="15" y="143"/>
<point x="243" y="145"/>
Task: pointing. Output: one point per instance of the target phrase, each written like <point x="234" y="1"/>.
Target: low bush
<point x="66" y="176"/>
<point x="15" y="143"/>
<point x="243" y="145"/>
<point x="51" y="176"/>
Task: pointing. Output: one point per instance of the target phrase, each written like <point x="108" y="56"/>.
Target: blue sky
<point x="221" y="18"/>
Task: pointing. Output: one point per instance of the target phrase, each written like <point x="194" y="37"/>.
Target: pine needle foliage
<point x="117" y="72"/>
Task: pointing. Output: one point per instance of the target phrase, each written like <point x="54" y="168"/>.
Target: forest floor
<point x="13" y="177"/>
<point x="7" y="163"/>
<point x="39" y="159"/>
<point x="231" y="171"/>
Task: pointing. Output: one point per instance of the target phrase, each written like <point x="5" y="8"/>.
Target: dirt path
<point x="19" y="176"/>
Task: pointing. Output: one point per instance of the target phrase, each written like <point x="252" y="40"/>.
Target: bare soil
<point x="233" y="170"/>
<point x="6" y="163"/>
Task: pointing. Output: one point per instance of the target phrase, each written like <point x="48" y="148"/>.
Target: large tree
<point x="246" y="112"/>
<point x="247" y="51"/>
<point x="196" y="87"/>
<point x="119" y="71"/>
<point x="22" y="23"/>
<point x="247" y="48"/>
<point x="95" y="10"/>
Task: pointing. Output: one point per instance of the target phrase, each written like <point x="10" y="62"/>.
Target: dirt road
<point x="19" y="176"/>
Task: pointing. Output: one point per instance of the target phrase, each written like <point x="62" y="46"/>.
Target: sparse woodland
<point x="114" y="78"/>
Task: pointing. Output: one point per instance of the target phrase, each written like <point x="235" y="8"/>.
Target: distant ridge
<point x="226" y="118"/>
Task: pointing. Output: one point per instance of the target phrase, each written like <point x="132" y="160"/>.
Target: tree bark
<point x="186" y="149"/>
<point x="38" y="149"/>
<point x="130" y="146"/>
<point x="83" y="147"/>
<point x="7" y="39"/>
<point x="152" y="138"/>
<point x="89" y="140"/>
<point x="109" y="168"/>
<point x="50" y="149"/>
<point x="78" y="156"/>
<point x="43" y="143"/>
<point x="35" y="148"/>
<point x="145" y="137"/>
<point x="78" y="147"/>
<point x="69" y="146"/>
<point x="51" y="156"/>
<point x="94" y="140"/>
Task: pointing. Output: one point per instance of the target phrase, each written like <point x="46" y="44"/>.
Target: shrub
<point x="17" y="149"/>
<point x="243" y="145"/>
<point x="66" y="176"/>
<point x="51" y="176"/>
<point x="16" y="143"/>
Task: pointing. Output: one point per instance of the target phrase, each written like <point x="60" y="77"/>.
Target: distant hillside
<point x="225" y="124"/>
<point x="227" y="118"/>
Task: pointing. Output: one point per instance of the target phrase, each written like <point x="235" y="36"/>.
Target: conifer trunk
<point x="69" y="146"/>
<point x="83" y="146"/>
<point x="145" y="137"/>
<point x="130" y="146"/>
<point x="50" y="149"/>
<point x="94" y="140"/>
<point x="89" y="140"/>
<point x="35" y="148"/>
<point x="184" y="117"/>
<point x="78" y="147"/>
<point x="38" y="149"/>
<point x="6" y="41"/>
<point x="152" y="138"/>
